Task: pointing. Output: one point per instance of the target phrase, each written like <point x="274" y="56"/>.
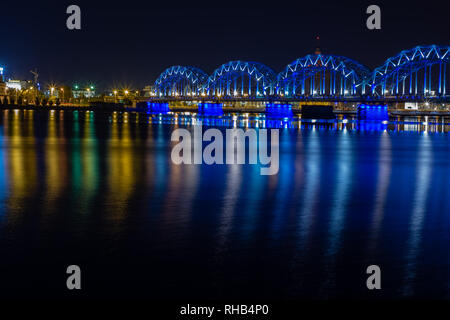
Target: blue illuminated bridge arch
<point x="324" y="76"/>
<point x="180" y="81"/>
<point x="419" y="72"/>
<point x="241" y="79"/>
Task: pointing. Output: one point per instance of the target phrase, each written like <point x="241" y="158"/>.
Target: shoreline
<point x="393" y="113"/>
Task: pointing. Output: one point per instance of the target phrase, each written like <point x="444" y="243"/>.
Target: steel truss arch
<point x="181" y="81"/>
<point x="323" y="75"/>
<point x="417" y="72"/>
<point x="242" y="78"/>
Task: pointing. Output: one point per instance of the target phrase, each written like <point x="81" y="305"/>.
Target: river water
<point x="99" y="190"/>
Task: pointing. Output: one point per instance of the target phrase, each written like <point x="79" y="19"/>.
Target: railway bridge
<point x="414" y="75"/>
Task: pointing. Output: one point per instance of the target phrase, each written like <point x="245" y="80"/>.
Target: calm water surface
<point x="100" y="191"/>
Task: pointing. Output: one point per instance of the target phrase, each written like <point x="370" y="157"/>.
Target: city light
<point x="210" y="109"/>
<point x="158" y="107"/>
<point x="279" y="110"/>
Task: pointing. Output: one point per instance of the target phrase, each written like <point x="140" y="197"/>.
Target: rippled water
<point x="100" y="190"/>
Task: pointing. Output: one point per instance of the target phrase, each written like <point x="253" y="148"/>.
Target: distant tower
<point x="317" y="50"/>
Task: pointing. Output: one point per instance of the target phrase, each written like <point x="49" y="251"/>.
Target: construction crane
<point x="36" y="76"/>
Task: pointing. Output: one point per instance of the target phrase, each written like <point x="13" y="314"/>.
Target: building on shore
<point x="19" y="84"/>
<point x="148" y="91"/>
<point x="2" y="88"/>
<point x="84" y="92"/>
<point x="2" y="84"/>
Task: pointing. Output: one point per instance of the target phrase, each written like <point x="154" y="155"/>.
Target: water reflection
<point x="229" y="209"/>
<point x="311" y="191"/>
<point x="122" y="173"/>
<point x="178" y="201"/>
<point x="3" y="175"/>
<point x="422" y="186"/>
<point x="339" y="206"/>
<point x="103" y="184"/>
<point x="246" y="120"/>
<point x="381" y="193"/>
<point x="21" y="161"/>
<point x="282" y="186"/>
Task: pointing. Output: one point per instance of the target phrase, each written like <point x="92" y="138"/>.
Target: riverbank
<point x="121" y="108"/>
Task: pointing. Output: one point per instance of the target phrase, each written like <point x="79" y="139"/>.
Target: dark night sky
<point x="131" y="42"/>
